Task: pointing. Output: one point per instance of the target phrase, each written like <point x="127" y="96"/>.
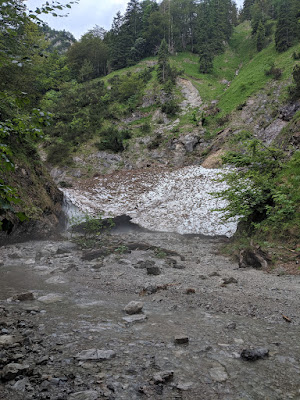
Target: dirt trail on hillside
<point x="74" y="341"/>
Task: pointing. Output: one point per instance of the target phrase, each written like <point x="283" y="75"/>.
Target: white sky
<point x="86" y="14"/>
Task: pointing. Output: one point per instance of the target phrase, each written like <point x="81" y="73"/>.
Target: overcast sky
<point x="86" y="14"/>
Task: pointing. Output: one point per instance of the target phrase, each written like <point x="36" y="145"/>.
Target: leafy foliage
<point x="21" y="85"/>
<point x="262" y="188"/>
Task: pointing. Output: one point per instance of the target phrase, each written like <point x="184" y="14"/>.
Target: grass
<point x="240" y="54"/>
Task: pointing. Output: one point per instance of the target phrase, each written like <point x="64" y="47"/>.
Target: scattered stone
<point x="190" y="291"/>
<point x="253" y="258"/>
<point x="9" y="339"/>
<point x="10" y="371"/>
<point x="231" y="325"/>
<point x="134" y="307"/>
<point x="56" y="280"/>
<point x="50" y="298"/>
<point x="24" y="296"/>
<point x="163" y="377"/>
<point x="31" y="309"/>
<point x="203" y="277"/>
<point x="92" y="255"/>
<point x="228" y="281"/>
<point x="42" y="361"/>
<point x="254" y="354"/>
<point x="218" y="374"/>
<point x="85" y="395"/>
<point x="178" y="266"/>
<point x="149" y="289"/>
<point x="96" y="355"/>
<point x="214" y="274"/>
<point x="185" y="386"/>
<point x="153" y="270"/>
<point x="66" y="248"/>
<point x="144" y="264"/>
<point x="135" y="318"/>
<point x="181" y="339"/>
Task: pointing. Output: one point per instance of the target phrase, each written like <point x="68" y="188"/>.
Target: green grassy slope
<point x="240" y="54"/>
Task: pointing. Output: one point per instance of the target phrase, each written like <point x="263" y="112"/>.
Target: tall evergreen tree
<point x="163" y="66"/>
<point x="287" y="30"/>
<point x="260" y="37"/>
<point x="246" y="11"/>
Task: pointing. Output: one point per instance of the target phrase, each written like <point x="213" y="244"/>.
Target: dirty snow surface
<point x="160" y="200"/>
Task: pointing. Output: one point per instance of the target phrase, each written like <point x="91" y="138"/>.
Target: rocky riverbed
<point x="200" y="327"/>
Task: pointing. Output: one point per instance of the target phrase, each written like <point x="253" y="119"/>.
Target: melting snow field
<point x="159" y="200"/>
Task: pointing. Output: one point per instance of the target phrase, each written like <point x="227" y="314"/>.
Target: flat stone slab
<point x="56" y="280"/>
<point x="10" y="371"/>
<point x="50" y="298"/>
<point x="131" y="319"/>
<point x="85" y="395"/>
<point x="96" y="355"/>
<point x="9" y="339"/>
<point x="218" y="374"/>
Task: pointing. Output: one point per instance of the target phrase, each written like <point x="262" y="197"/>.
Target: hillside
<point x="135" y="118"/>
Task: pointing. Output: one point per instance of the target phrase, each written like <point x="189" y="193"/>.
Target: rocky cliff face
<point x="40" y="201"/>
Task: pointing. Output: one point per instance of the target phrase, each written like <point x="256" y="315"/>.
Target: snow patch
<point x="170" y="201"/>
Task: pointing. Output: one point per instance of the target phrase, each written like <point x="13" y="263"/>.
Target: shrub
<point x="296" y="55"/>
<point x="146" y="128"/>
<point x="112" y="139"/>
<point x="263" y="188"/>
<point x="170" y="108"/>
<point x="59" y="154"/>
<point x="276" y="73"/>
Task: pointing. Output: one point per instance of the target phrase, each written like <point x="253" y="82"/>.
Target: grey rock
<point x="9" y="339"/>
<point x="253" y="258"/>
<point x="134" y="307"/>
<point x="231" y="325"/>
<point x="66" y="248"/>
<point x="96" y="355"/>
<point x="189" y="141"/>
<point x="228" y="281"/>
<point x="131" y="319"/>
<point x="22" y="385"/>
<point x="254" y="354"/>
<point x="153" y="270"/>
<point x="50" y="298"/>
<point x="163" y="377"/>
<point x="10" y="371"/>
<point x="181" y="339"/>
<point x="218" y="374"/>
<point x="144" y="264"/>
<point x="24" y="296"/>
<point x="184" y="386"/>
<point x="85" y="395"/>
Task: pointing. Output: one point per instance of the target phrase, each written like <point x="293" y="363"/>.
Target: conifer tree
<point x="163" y="62"/>
<point x="287" y="30"/>
<point x="206" y="60"/>
<point x="260" y="37"/>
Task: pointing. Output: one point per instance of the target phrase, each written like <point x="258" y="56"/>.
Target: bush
<point x="112" y="139"/>
<point x="223" y="120"/>
<point x="276" y="73"/>
<point x="263" y="189"/>
<point x="296" y="55"/>
<point x="146" y="128"/>
<point x="294" y="91"/>
<point x="59" y="154"/>
<point x="171" y="108"/>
